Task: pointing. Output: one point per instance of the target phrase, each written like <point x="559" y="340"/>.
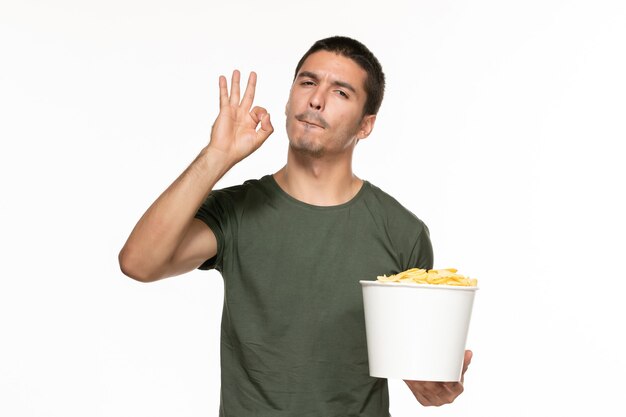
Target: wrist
<point x="212" y="163"/>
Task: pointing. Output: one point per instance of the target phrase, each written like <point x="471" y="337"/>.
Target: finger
<point x="257" y="114"/>
<point x="416" y="390"/>
<point x="234" y="88"/>
<point x="422" y="399"/>
<point x="424" y="392"/>
<point x="248" y="95"/>
<point x="223" y="92"/>
<point x="454" y="389"/>
<point x="438" y="393"/>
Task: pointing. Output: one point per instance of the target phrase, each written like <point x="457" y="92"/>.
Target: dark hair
<point x="355" y="50"/>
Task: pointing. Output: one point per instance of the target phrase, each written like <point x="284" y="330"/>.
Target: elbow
<point x="131" y="266"/>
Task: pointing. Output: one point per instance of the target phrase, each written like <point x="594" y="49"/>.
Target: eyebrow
<point x="309" y="74"/>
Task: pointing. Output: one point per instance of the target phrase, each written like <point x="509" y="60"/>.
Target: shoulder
<point x="407" y="234"/>
<point x="391" y="210"/>
<point x="253" y="188"/>
<point x="226" y="202"/>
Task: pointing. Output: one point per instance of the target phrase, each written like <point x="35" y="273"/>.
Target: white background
<point x="500" y="129"/>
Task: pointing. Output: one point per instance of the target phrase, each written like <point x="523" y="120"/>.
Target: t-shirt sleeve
<point x="215" y="213"/>
<point x="422" y="254"/>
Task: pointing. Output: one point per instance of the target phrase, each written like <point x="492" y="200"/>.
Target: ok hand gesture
<point x="234" y="133"/>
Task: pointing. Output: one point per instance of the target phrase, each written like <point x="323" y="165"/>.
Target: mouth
<point x="309" y="124"/>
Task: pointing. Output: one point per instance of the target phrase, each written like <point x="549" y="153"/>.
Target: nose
<point x="316" y="101"/>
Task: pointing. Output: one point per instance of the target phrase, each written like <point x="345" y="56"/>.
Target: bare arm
<point x="167" y="240"/>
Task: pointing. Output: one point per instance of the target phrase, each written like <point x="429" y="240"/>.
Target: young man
<point x="292" y="246"/>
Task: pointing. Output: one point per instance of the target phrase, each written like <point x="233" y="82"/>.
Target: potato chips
<point x="446" y="276"/>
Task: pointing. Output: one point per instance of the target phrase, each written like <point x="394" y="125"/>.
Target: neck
<point x="326" y="181"/>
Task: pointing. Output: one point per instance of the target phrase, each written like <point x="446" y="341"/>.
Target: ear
<point x="367" y="125"/>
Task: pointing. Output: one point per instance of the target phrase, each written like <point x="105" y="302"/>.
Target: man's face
<point x="325" y="107"/>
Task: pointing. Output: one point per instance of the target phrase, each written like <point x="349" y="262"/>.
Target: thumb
<point x="466" y="361"/>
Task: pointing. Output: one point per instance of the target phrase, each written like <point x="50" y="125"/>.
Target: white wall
<point x="500" y="128"/>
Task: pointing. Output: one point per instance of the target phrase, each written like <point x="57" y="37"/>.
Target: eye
<point x="343" y="94"/>
<point x="307" y="83"/>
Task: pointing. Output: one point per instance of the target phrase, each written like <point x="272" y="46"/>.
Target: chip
<point x="447" y="276"/>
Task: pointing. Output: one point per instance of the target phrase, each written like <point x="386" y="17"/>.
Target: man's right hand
<point x="234" y="134"/>
<point x="167" y="239"/>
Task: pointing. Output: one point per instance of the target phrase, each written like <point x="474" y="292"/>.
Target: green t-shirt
<point x="293" y="330"/>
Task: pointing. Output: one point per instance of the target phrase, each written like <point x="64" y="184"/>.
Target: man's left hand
<point x="439" y="393"/>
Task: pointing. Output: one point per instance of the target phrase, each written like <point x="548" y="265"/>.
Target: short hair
<point x="355" y="50"/>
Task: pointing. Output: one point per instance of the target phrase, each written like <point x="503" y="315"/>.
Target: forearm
<point x="157" y="235"/>
<point x="152" y="249"/>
